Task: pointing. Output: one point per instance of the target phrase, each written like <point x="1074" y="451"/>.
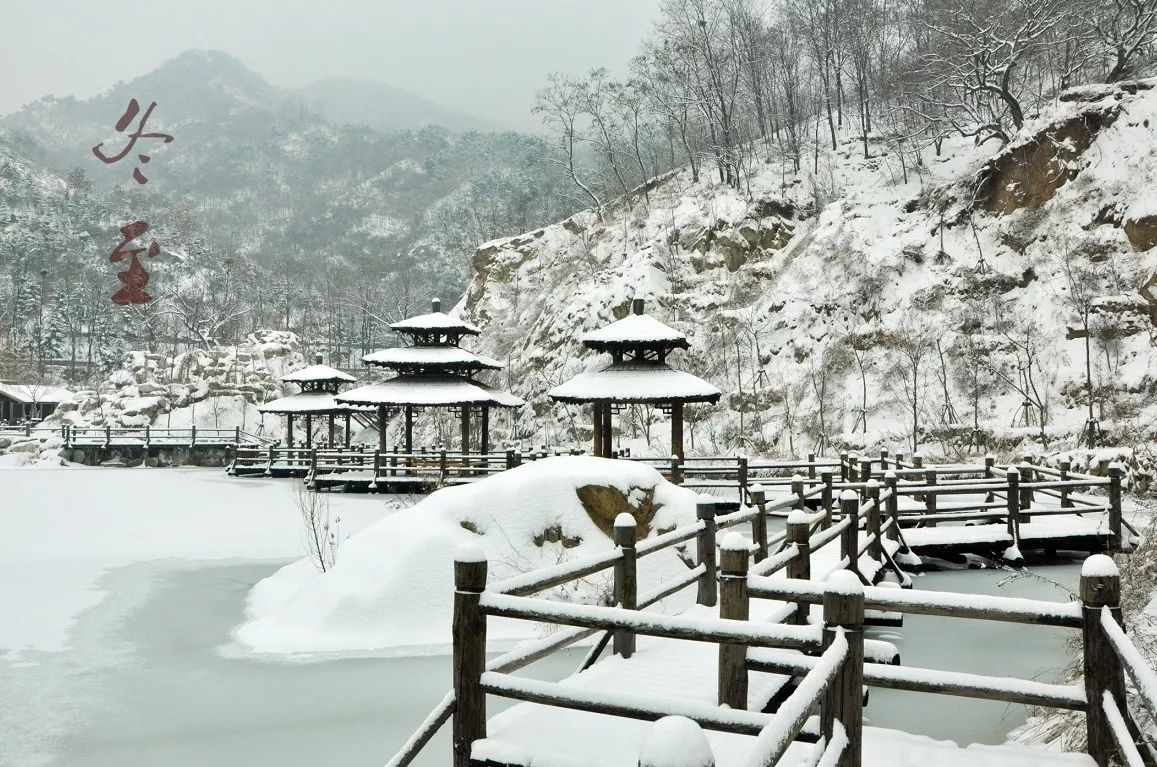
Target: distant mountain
<point x="355" y="101"/>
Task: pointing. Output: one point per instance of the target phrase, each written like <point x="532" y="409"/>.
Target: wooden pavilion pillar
<point x="308" y="431"/>
<point x="381" y="428"/>
<point x="677" y="429"/>
<point x="289" y="429"/>
<point x="331" y="429"/>
<point x="607" y="442"/>
<point x="348" y="431"/>
<point x="484" y="442"/>
<point x="597" y="428"/>
<point x="409" y="429"/>
<point x="465" y="428"/>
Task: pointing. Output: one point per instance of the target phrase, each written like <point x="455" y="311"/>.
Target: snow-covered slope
<point x="788" y="288"/>
<point x="393" y="583"/>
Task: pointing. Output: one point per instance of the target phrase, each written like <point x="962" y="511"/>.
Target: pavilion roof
<point x="312" y="402"/>
<point x="635" y="330"/>
<point x="35" y="393"/>
<point x="436" y="322"/>
<point x="429" y="390"/>
<point x="430" y="356"/>
<point x="318" y="373"/>
<point x="636" y="382"/>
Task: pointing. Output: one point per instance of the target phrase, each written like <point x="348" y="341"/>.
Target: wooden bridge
<point x="771" y="660"/>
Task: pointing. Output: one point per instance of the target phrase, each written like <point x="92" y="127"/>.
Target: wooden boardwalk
<point x="770" y="659"/>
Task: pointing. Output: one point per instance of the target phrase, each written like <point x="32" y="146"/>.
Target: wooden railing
<point x="148" y="436"/>
<point x="831" y="681"/>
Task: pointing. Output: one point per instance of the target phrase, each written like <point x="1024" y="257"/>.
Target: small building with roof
<point x="638" y="373"/>
<point x="30" y="402"/>
<point x="319" y="386"/>
<point x="433" y="372"/>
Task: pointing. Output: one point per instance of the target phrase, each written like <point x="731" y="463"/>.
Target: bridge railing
<point x="108" y="436"/>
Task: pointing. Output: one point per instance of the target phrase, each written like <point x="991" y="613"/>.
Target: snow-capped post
<point x="758" y="497"/>
<point x="849" y="539"/>
<point x="797" y="491"/>
<point x="892" y="504"/>
<point x="843" y="701"/>
<point x="883" y="459"/>
<point x="843" y="467"/>
<point x="272" y="458"/>
<point x="1100" y="588"/>
<point x="469" y="636"/>
<point x="853" y="474"/>
<point x="875" y="545"/>
<point x="1066" y="501"/>
<point x="1116" y="477"/>
<point x="811" y="465"/>
<point x="705" y="545"/>
<point x="236" y="436"/>
<point x="1012" y="497"/>
<point x="917" y="461"/>
<point x="377" y="468"/>
<point x="676" y="473"/>
<point x="930" y="503"/>
<point x="827" y="496"/>
<point x="193" y="435"/>
<point x="347" y="433"/>
<point x="676" y="741"/>
<point x="509" y="459"/>
<point x="799" y="534"/>
<point x="442" y="466"/>
<point x="626" y="583"/>
<point x="107" y="435"/>
<point x="865" y="469"/>
<point x="733" y="605"/>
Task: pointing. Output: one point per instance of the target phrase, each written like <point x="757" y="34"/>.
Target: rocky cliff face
<point x="810" y="297"/>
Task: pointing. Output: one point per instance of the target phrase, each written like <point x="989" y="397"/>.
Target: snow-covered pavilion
<point x="433" y="372"/>
<point x="638" y="374"/>
<point x="319" y="386"/>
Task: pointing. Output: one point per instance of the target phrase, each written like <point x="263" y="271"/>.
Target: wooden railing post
<point x="843" y="700"/>
<point x="733" y="605"/>
<point x="930" y="499"/>
<point x="377" y="468"/>
<point x="989" y="473"/>
<point x="1116" y="477"/>
<point x="313" y="463"/>
<point x="759" y="522"/>
<point x="853" y="473"/>
<point x="917" y="461"/>
<point x="843" y="467"/>
<point x="705" y="544"/>
<point x="148" y="439"/>
<point x="865" y="469"/>
<point x="811" y="465"/>
<point x="892" y="504"/>
<point x="1012" y="496"/>
<point x="850" y="539"/>
<point x="875" y="545"/>
<point x="1025" y="493"/>
<point x="193" y="435"/>
<point x="797" y="491"/>
<point x="799" y="534"/>
<point x="1066" y="501"/>
<point x="827" y="496"/>
<point x="236" y="435"/>
<point x="676" y="470"/>
<point x="107" y="435"/>
<point x="741" y="476"/>
<point x="1100" y="588"/>
<point x="626" y="582"/>
<point x="469" y="661"/>
<point x="442" y="468"/>
<point x="883" y="459"/>
<point x="509" y="458"/>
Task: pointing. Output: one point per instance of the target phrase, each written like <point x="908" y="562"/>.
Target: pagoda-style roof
<point x="635" y="330"/>
<point x="318" y="374"/>
<point x="636" y="382"/>
<point x="429" y="390"/>
<point x="436" y="322"/>
<point x="430" y="357"/>
<point x="307" y="403"/>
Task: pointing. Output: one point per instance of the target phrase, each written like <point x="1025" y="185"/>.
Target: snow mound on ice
<point x="392" y="586"/>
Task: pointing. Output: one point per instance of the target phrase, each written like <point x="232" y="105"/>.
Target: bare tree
<point x="321" y="530"/>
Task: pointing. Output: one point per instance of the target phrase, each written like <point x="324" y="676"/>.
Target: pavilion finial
<point x="317" y="358"/>
<point x="436" y="305"/>
<point x="637" y="306"/>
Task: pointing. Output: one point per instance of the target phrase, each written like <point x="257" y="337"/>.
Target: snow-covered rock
<point x="392" y="585"/>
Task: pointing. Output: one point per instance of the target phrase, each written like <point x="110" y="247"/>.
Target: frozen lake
<point x="119" y="651"/>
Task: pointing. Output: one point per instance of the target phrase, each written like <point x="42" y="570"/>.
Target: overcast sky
<point x="482" y="56"/>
